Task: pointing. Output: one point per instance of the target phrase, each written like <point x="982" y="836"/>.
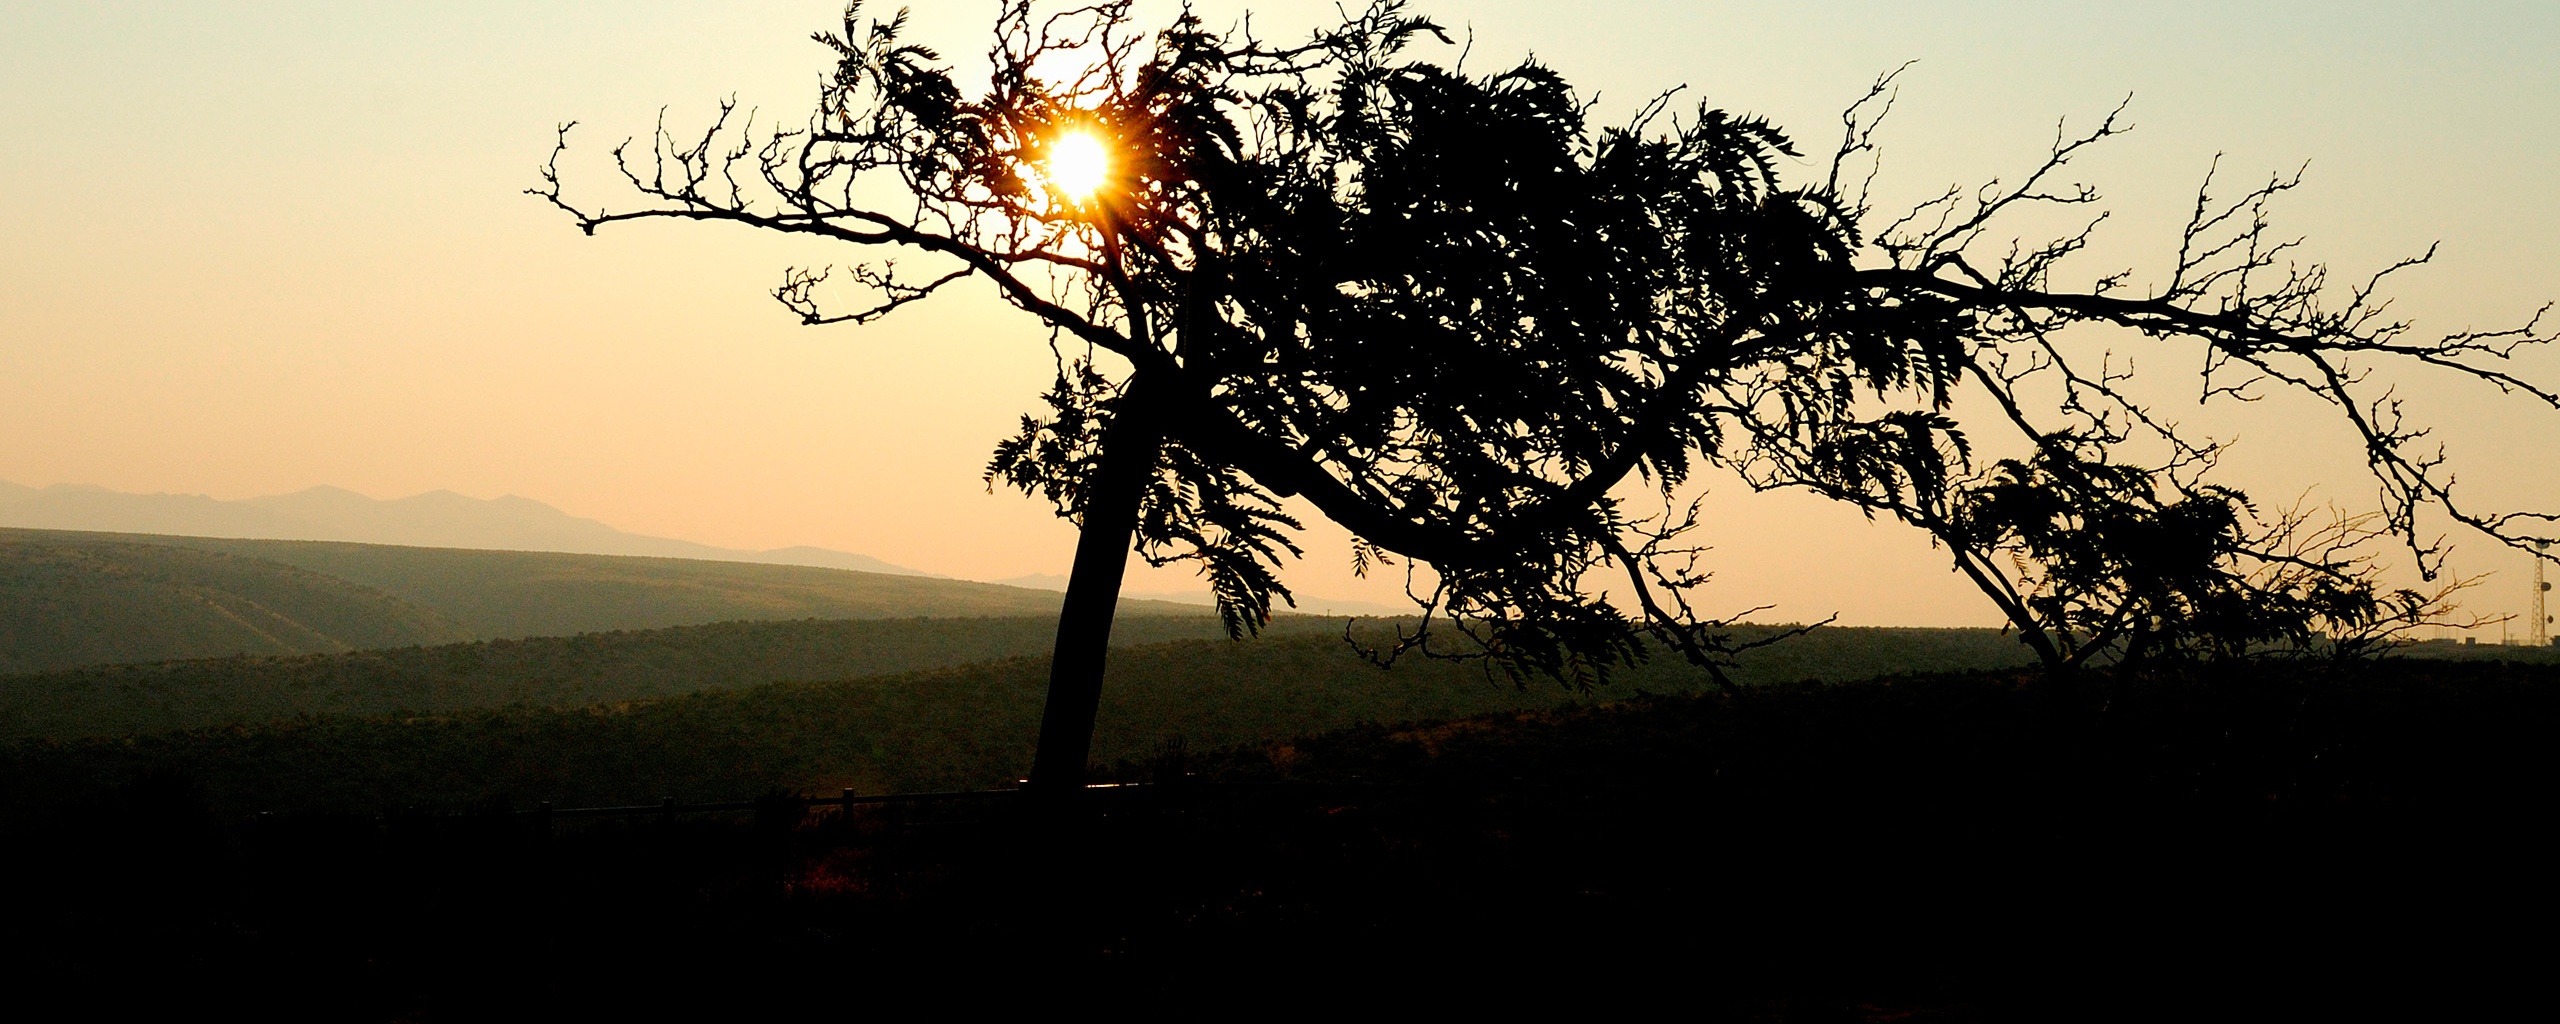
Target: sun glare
<point x="1077" y="164"/>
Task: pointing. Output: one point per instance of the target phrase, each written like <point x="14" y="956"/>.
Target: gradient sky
<point x="254" y="247"/>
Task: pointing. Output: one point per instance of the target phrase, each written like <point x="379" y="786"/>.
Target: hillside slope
<point x="966" y="726"/>
<point x="958" y="726"/>
<point x="90" y="598"/>
<point x="86" y="599"/>
<point x="568" y="671"/>
<point x="498" y="594"/>
<point x="433" y="519"/>
<point x="607" y="668"/>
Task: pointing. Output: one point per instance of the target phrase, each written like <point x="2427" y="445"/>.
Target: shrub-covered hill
<point x="595" y="668"/>
<point x="568" y="671"/>
<point x="969" y="726"/>
<point x="494" y="594"/>
<point x="76" y="600"/>
<point x="69" y="598"/>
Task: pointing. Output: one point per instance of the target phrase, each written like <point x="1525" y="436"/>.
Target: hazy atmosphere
<point x="255" y="248"/>
<point x="1813" y="512"/>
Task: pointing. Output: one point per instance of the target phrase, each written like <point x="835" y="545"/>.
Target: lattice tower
<point x="2541" y="634"/>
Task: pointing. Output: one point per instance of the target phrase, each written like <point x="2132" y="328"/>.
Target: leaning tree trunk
<point x="1128" y="456"/>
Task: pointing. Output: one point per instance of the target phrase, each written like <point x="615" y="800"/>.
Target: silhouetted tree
<point x="1463" y="322"/>
<point x="2086" y="549"/>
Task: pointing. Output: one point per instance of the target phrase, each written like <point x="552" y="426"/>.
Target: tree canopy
<point x="1499" y="342"/>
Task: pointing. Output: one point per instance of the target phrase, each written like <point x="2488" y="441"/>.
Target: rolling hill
<point x="67" y="602"/>
<point x="69" y="599"/>
<point x="497" y="594"/>
<point x="563" y="671"/>
<point x="439" y="519"/>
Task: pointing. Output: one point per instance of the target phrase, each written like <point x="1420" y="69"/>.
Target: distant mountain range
<point x="438" y="519"/>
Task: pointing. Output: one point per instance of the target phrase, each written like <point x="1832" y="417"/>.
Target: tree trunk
<point x="1129" y="446"/>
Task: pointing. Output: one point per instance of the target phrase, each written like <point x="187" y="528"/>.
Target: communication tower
<point x="2541" y="635"/>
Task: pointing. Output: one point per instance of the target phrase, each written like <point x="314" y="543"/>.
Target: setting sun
<point x="1077" y="164"/>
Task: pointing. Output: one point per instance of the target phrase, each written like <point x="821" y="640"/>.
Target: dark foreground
<point x="2276" y="844"/>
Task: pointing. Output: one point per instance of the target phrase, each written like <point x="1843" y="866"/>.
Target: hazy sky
<point x="253" y="247"/>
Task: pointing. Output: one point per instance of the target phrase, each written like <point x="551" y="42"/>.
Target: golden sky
<point x="254" y="247"/>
